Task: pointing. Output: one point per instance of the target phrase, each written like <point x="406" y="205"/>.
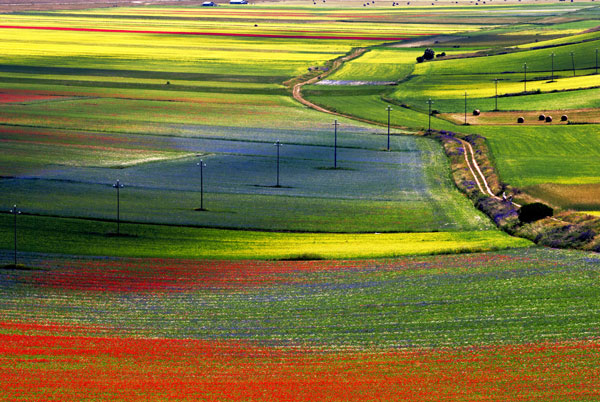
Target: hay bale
<point x="564" y="117"/>
<point x="542" y="117"/>
<point x="548" y="119"/>
<point x="520" y="120"/>
<point x="476" y="112"/>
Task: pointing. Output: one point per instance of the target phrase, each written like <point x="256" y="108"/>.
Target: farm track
<point x="297" y="91"/>
<point x="468" y="152"/>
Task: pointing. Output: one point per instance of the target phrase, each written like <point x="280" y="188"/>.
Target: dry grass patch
<point x="582" y="197"/>
<point x="531" y="117"/>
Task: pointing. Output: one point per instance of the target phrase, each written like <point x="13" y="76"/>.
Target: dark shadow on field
<point x="19" y="267"/>
<point x="270" y="186"/>
<point x="113" y="234"/>
<point x="334" y="168"/>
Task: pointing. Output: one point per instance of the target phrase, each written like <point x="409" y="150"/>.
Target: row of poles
<point x="552" y="55"/>
<point x="118" y="186"/>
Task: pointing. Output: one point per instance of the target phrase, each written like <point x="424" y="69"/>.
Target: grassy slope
<point x="72" y="236"/>
<point x="511" y="297"/>
<point x="525" y="155"/>
<point x="129" y="115"/>
<point x="375" y="191"/>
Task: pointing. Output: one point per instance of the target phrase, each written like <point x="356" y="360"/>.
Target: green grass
<point x="535" y="155"/>
<point x="524" y="155"/>
<point x="380" y="64"/>
<point x="361" y="102"/>
<point x="408" y="189"/>
<point x="118" y="114"/>
<point x="84" y="237"/>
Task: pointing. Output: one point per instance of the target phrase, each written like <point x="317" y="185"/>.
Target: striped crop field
<point x="261" y="250"/>
<point x="512" y="325"/>
<point x="141" y="94"/>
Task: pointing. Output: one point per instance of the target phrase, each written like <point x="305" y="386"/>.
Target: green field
<point x="85" y="237"/>
<point x="331" y="268"/>
<point x="81" y="109"/>
<point x="526" y="156"/>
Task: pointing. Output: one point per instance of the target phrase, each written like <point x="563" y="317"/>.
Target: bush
<point x="534" y="212"/>
<point x="420" y="59"/>
<point x="429" y="54"/>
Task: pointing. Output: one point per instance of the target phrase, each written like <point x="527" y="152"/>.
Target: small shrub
<point x="429" y="54"/>
<point x="534" y="212"/>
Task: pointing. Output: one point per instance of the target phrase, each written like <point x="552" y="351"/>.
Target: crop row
<point x="511" y="297"/>
<point x="48" y="362"/>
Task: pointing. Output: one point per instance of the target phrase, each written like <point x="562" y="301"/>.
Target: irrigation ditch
<point x="474" y="174"/>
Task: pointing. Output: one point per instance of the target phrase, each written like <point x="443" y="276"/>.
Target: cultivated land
<point x="375" y="280"/>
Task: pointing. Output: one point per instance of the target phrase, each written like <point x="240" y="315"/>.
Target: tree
<point x="429" y="54"/>
<point x="534" y="212"/>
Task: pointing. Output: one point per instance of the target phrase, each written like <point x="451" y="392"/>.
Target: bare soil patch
<point x="582" y="197"/>
<point x="575" y="116"/>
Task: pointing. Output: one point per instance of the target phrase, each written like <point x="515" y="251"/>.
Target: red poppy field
<point x="24" y="96"/>
<point x="41" y="362"/>
<point x="268" y="331"/>
<point x="366" y="275"/>
<point x="232" y="34"/>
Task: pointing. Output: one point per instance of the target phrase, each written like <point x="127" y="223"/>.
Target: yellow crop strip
<point x="477" y="90"/>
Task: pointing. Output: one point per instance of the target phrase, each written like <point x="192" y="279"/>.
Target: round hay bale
<point x="520" y="120"/>
<point x="476" y="112"/>
<point x="542" y="117"/>
<point x="564" y="117"/>
<point x="548" y="119"/>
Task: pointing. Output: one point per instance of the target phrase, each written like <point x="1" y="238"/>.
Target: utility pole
<point x="278" y="145"/>
<point x="118" y="186"/>
<point x="335" y="126"/>
<point x="496" y="84"/>
<point x="15" y="212"/>
<point x="202" y="166"/>
<point x="525" y="80"/>
<point x="573" y="62"/>
<point x="552" y="56"/>
<point x="389" y="109"/>
<point x="429" y="102"/>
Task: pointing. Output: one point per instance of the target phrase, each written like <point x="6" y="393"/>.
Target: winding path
<point x="468" y="152"/>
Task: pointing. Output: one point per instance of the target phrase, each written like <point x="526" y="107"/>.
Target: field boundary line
<point x="297" y="89"/>
<point x="297" y="94"/>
